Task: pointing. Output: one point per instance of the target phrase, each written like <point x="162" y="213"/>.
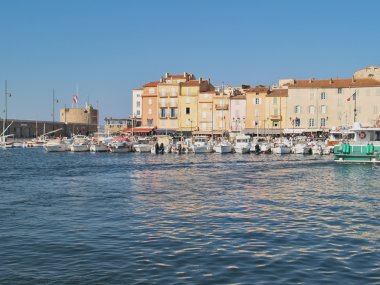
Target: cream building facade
<point x="319" y="105"/>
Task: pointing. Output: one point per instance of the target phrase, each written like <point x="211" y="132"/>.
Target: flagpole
<point x="354" y="97"/>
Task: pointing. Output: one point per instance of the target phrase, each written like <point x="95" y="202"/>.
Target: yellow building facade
<point x="256" y="116"/>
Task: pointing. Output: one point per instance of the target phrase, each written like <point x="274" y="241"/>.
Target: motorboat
<point x="55" y="145"/>
<point x="80" y="144"/>
<point x="202" y="144"/>
<point x="98" y="147"/>
<point x="120" y="146"/>
<point x="242" y="144"/>
<point x="301" y="148"/>
<point x="281" y="148"/>
<point x="223" y="146"/>
<point x="143" y="145"/>
<point x="363" y="148"/>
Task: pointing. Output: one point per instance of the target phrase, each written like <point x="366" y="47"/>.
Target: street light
<point x="53" y="113"/>
<point x="6" y="109"/>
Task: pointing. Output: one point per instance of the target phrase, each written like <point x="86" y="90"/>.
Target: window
<point x="172" y="102"/>
<point x="138" y="104"/>
<point x="149" y="122"/>
<point x="296" y="122"/>
<point x="257" y="101"/>
<point x="173" y="112"/>
<point x="323" y="109"/>
<point x="149" y="111"/>
<point x="311" y="109"/>
<point x="257" y="113"/>
<point x="163" y="102"/>
<point x="340" y="90"/>
<point x="173" y="91"/>
<point x="275" y="112"/>
<point x="138" y="112"/>
<point x="323" y="96"/>
<point x="187" y="110"/>
<point x="187" y="100"/>
<point x="323" y="122"/>
<point x="311" y="123"/>
<point x="163" y="92"/>
<point x="188" y="91"/>
<point x="204" y="115"/>
<point x="152" y="90"/>
<point x="162" y="112"/>
<point x="138" y="95"/>
<point x="150" y="101"/>
<point x="274" y="100"/>
<point x="297" y="109"/>
<point x="375" y="110"/>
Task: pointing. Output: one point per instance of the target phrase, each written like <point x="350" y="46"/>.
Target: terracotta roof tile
<point x="192" y="83"/>
<point x="278" y="93"/>
<point x="152" y="84"/>
<point x="259" y="89"/>
<point x="334" y="83"/>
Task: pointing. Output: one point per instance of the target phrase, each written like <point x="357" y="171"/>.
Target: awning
<point x="300" y="131"/>
<point x="164" y="131"/>
<point x="137" y="130"/>
<point x="269" y="131"/>
<point x="217" y="133"/>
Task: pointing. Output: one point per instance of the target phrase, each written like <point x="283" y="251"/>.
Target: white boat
<point x="120" y="147"/>
<point x="223" y="146"/>
<point x="56" y="145"/>
<point x="301" y="148"/>
<point x="242" y="144"/>
<point x="202" y="144"/>
<point x="143" y="145"/>
<point x="80" y="144"/>
<point x="98" y="147"/>
<point x="281" y="149"/>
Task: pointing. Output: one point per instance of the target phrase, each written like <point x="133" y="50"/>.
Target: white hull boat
<point x="120" y="147"/>
<point x="281" y="149"/>
<point x="98" y="147"/>
<point x="223" y="147"/>
<point x="242" y="144"/>
<point x="143" y="147"/>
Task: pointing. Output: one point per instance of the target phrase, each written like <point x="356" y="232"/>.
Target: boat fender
<point x="362" y="135"/>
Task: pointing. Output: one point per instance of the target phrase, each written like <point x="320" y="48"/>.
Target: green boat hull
<point x="347" y="153"/>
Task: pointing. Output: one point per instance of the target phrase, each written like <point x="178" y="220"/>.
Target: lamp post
<point x="6" y="109"/>
<point x="53" y="113"/>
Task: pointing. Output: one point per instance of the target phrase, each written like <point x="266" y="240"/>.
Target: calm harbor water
<point x="82" y="218"/>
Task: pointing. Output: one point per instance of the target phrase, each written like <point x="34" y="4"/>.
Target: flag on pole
<point x="75" y="99"/>
<point x="353" y="96"/>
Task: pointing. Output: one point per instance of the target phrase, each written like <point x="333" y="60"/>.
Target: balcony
<point x="275" y="117"/>
<point x="221" y="106"/>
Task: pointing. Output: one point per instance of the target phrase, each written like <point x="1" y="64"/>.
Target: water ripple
<point x="193" y="219"/>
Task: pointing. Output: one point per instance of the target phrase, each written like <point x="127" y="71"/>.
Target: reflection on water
<point x="198" y="219"/>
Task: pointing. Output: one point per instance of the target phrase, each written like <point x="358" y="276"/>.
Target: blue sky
<point x="106" y="48"/>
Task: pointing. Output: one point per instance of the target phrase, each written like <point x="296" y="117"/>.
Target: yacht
<point x="202" y="144"/>
<point x="242" y="144"/>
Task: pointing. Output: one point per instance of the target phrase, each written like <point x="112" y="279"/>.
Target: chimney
<point x="310" y="80"/>
<point x="209" y="81"/>
<point x="353" y="79"/>
<point x="161" y="79"/>
<point x="200" y="80"/>
<point x="331" y="81"/>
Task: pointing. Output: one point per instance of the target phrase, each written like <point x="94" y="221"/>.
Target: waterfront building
<point x="137" y="105"/>
<point x="83" y="116"/>
<point x="275" y="111"/>
<point x="149" y="105"/>
<point x="205" y="112"/>
<point x="319" y="105"/>
<point x="221" y="110"/>
<point x="368" y="72"/>
<point x="189" y="102"/>
<point x="238" y="113"/>
<point x="255" y="114"/>
<point x="169" y="91"/>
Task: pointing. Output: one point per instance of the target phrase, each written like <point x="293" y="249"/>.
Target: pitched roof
<point x="238" y="97"/>
<point x="193" y="83"/>
<point x="152" y="84"/>
<point x="334" y="83"/>
<point x="259" y="89"/>
<point x="278" y="93"/>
